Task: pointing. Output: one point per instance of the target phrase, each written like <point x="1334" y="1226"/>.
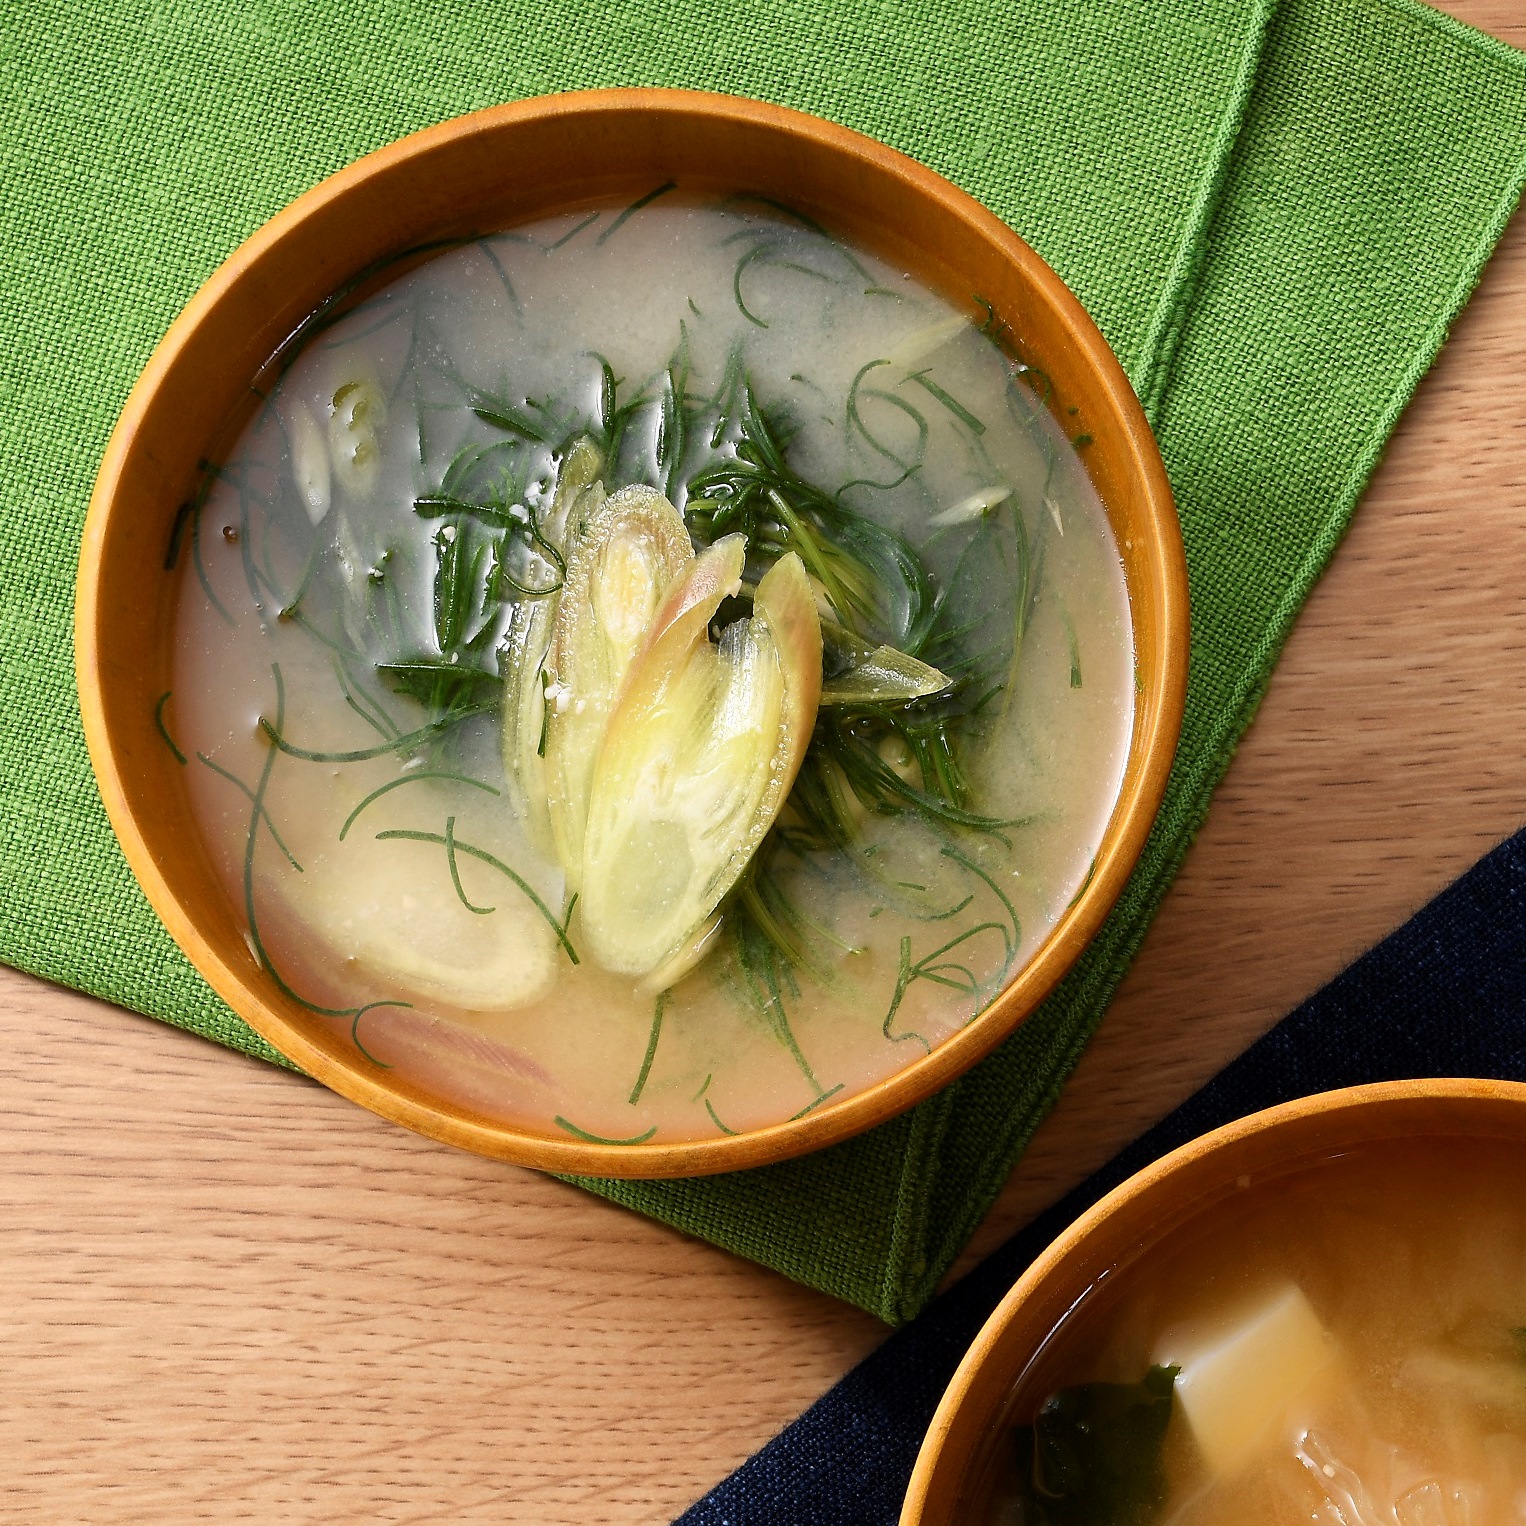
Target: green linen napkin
<point x="1274" y="208"/>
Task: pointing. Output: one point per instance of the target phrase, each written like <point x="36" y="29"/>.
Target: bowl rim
<point x="1347" y="1103"/>
<point x="1129" y="825"/>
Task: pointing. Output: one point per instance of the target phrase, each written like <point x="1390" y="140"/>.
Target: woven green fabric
<point x="1274" y="208"/>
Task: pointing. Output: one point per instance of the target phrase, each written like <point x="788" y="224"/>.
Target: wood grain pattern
<point x="229" y="1295"/>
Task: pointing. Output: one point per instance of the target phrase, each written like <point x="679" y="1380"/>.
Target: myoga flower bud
<point x="579" y="495"/>
<point x="622" y="557"/>
<point x="701" y="751"/>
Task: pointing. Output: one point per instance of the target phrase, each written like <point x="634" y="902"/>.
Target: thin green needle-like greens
<point x="651" y="1048"/>
<point x="163" y="730"/>
<point x="454" y="845"/>
<point x="588" y="1138"/>
<point x="458" y="625"/>
<point x="256" y="941"/>
<point x="411" y="778"/>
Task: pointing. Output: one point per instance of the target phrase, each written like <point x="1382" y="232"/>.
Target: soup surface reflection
<point x="534" y="859"/>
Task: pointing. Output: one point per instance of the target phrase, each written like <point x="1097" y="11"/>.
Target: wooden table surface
<point x="226" y="1294"/>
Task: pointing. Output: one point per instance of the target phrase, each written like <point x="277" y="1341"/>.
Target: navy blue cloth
<point x="1443" y="996"/>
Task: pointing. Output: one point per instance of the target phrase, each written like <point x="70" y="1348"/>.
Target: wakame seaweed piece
<point x="1093" y="1455"/>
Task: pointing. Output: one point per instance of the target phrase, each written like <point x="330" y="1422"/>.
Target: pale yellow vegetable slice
<point x="883" y="675"/>
<point x="570" y="506"/>
<point x="526" y="642"/>
<point x="973" y="507"/>
<point x="926" y="341"/>
<point x="524" y="715"/>
<point x="622" y="556"/>
<point x="391" y="912"/>
<point x="309" y="461"/>
<point x="357" y="415"/>
<point x="1240" y="1374"/>
<point x="787" y="608"/>
<point x="700" y="752"/>
<point x="858" y="673"/>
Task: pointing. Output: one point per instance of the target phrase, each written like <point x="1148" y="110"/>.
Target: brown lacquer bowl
<point x="1183" y="1188"/>
<point x="490" y="170"/>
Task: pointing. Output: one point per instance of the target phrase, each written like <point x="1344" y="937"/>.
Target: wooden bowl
<point x="1185" y="1185"/>
<point x="490" y="170"/>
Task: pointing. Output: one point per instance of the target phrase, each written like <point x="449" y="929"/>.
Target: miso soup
<point x="1344" y="1343"/>
<point x="651" y="672"/>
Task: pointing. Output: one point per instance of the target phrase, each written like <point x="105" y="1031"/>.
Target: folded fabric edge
<point x="924" y="1123"/>
<point x="910" y="1262"/>
<point x="1097" y="981"/>
<point x="913" y="1277"/>
<point x="1164" y="333"/>
<point x="1458" y="31"/>
<point x="1194" y="789"/>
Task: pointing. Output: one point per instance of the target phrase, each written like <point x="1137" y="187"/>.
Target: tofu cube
<point x="1240" y="1374"/>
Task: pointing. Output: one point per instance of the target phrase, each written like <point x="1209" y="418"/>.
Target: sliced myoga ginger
<point x="702" y="748"/>
<point x="632" y="547"/>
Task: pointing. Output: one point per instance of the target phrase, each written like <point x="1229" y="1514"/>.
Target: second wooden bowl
<point x="1179" y="1189"/>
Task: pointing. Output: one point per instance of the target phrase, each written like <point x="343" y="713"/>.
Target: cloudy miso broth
<point x="650" y="674"/>
<point x="1348" y="1344"/>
